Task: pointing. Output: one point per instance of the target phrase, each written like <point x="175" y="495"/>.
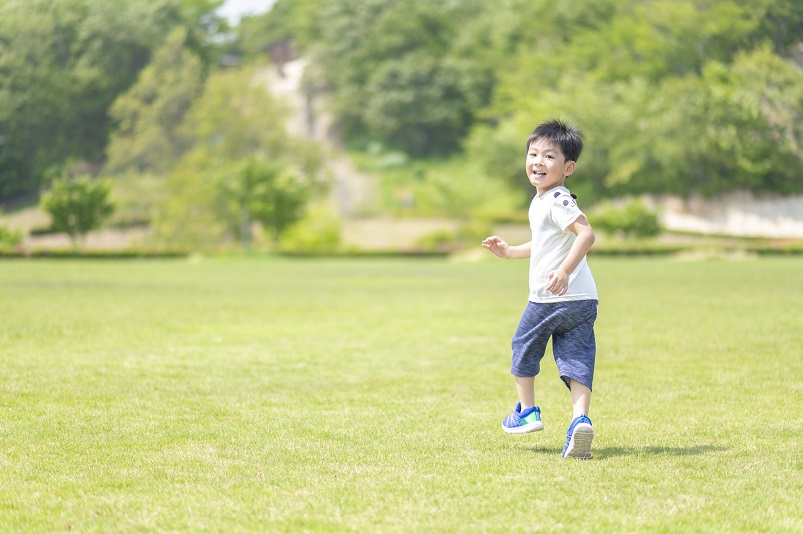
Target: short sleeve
<point x="564" y="210"/>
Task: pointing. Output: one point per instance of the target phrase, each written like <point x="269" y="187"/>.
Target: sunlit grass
<point x="283" y="395"/>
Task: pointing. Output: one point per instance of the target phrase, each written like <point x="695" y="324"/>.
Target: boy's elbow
<point x="591" y="237"/>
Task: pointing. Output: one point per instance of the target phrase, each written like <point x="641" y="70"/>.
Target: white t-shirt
<point x="550" y="215"/>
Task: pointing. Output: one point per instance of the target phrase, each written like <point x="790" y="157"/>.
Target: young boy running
<point x="563" y="298"/>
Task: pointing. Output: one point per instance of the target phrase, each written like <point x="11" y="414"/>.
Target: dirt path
<point x="352" y="189"/>
<point x="354" y="194"/>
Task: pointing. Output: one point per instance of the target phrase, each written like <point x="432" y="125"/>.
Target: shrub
<point x="78" y="206"/>
<point x="633" y="219"/>
<point x="467" y="235"/>
<point x="9" y="238"/>
<point x="317" y="233"/>
<point x="437" y="241"/>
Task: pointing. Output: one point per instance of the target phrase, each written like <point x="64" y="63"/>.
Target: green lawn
<point x="267" y="394"/>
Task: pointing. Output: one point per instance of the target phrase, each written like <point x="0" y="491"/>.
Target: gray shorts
<point x="570" y="324"/>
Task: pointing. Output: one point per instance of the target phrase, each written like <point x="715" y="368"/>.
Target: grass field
<point x="268" y="394"/>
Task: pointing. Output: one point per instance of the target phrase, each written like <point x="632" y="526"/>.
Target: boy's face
<point x="546" y="166"/>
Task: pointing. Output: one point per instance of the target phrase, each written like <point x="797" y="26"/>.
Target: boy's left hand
<point x="558" y="282"/>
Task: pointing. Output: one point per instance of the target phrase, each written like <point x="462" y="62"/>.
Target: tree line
<point x="675" y="96"/>
<point x="127" y="103"/>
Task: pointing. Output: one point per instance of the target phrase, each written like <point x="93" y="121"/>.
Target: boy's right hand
<point x="496" y="245"/>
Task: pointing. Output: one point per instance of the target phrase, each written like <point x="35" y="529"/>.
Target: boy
<point x="563" y="297"/>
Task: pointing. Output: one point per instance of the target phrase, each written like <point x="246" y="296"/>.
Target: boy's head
<point x="568" y="138"/>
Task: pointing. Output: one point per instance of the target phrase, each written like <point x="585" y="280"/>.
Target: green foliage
<point x="633" y="219"/>
<point x="206" y="27"/>
<point x="136" y="197"/>
<point x="243" y="168"/>
<point x="236" y="116"/>
<point x="417" y="103"/>
<point x="262" y="191"/>
<point x="78" y="205"/>
<point x="755" y="123"/>
<point x="193" y="215"/>
<point x="499" y="152"/>
<point x="317" y="233"/>
<point x="466" y="236"/>
<point x="438" y="187"/>
<point x="395" y="79"/>
<point x="298" y="21"/>
<point x="674" y="96"/>
<point x="63" y="64"/>
<point x="438" y="241"/>
<point x="695" y="105"/>
<point x="147" y="116"/>
<point x="8" y="237"/>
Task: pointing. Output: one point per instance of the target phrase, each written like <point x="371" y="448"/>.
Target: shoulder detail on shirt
<point x="564" y="197"/>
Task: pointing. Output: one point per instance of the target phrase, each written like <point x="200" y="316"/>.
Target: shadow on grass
<point x="610" y="452"/>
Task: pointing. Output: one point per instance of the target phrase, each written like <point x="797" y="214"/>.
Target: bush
<point x="467" y="235"/>
<point x="630" y="220"/>
<point x="317" y="233"/>
<point x="437" y="241"/>
<point x="9" y="238"/>
<point x="136" y="198"/>
<point x="78" y="206"/>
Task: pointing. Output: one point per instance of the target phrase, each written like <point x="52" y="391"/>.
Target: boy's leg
<point x="526" y="417"/>
<point x="581" y="398"/>
<point x="528" y="344"/>
<point x="525" y="386"/>
<point x="575" y="352"/>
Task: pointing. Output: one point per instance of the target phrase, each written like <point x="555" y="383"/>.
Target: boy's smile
<point x="546" y="166"/>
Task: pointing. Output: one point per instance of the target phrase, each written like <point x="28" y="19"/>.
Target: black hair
<point x="569" y="138"/>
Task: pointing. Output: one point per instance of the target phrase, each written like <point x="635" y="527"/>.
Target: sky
<point x="234" y="9"/>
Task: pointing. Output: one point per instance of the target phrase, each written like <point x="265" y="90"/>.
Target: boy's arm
<point x="496" y="245"/>
<point x="559" y="278"/>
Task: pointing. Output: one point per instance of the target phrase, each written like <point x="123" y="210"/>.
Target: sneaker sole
<point x="580" y="444"/>
<point x="535" y="426"/>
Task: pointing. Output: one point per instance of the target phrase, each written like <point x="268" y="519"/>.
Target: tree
<point x="298" y="21"/>
<point x="396" y="78"/>
<point x="633" y="219"/>
<point x="675" y="97"/>
<point x="242" y="166"/>
<point x="753" y="139"/>
<point x="417" y="104"/>
<point x="77" y="206"/>
<point x="8" y="237"/>
<point x="62" y="64"/>
<point x="147" y="116"/>
<point x="262" y="191"/>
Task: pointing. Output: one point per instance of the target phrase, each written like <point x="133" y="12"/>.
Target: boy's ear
<point x="570" y="166"/>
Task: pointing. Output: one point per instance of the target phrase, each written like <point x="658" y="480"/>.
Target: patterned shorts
<point x="570" y="324"/>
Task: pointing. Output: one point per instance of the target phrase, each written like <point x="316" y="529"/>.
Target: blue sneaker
<point x="522" y="422"/>
<point x="578" y="438"/>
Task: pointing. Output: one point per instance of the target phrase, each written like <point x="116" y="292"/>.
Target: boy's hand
<point x="558" y="282"/>
<point x="496" y="245"/>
